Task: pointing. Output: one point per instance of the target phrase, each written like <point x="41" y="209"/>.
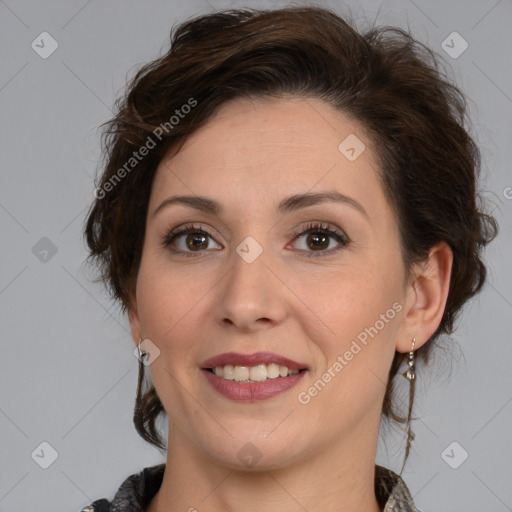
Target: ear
<point x="426" y="296"/>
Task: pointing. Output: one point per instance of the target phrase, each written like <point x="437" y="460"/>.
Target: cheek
<point x="174" y="304"/>
<point x="350" y="301"/>
<point x="359" y="314"/>
<point x="166" y="303"/>
<point x="163" y="300"/>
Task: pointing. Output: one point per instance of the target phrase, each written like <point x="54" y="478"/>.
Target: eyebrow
<point x="287" y="205"/>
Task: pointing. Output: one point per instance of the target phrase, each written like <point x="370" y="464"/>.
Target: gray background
<point x="67" y="372"/>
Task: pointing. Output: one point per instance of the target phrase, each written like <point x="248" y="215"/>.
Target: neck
<point x="341" y="476"/>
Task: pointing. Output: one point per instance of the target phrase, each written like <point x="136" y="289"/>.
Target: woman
<point x="288" y="214"/>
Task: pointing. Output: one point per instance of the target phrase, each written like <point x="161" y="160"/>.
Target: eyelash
<point x="311" y="228"/>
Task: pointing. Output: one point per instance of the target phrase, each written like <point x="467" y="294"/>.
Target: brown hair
<point x="383" y="78"/>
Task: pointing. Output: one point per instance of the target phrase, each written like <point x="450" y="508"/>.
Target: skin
<point x="248" y="157"/>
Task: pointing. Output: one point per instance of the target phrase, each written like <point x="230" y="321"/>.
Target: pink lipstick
<point x="252" y="377"/>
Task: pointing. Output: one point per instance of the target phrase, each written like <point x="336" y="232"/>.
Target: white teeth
<point x="227" y="372"/>
<point x="272" y="370"/>
<point x="258" y="373"/>
<point x="239" y="373"/>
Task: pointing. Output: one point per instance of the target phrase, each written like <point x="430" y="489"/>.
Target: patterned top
<point x="137" y="491"/>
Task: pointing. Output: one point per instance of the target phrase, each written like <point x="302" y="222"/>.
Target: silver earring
<point x="411" y="371"/>
<point x="142" y="353"/>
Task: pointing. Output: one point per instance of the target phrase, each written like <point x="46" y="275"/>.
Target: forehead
<point x="254" y="150"/>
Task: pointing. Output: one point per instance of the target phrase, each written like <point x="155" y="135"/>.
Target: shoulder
<point x="134" y="494"/>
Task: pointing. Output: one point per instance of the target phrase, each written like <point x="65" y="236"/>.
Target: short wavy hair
<point x="392" y="84"/>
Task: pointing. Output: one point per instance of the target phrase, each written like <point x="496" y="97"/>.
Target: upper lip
<point x="238" y="359"/>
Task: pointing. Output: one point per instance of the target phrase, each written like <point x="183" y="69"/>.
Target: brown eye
<point x="317" y="238"/>
<point x="196" y="241"/>
<point x="317" y="241"/>
<point x="188" y="240"/>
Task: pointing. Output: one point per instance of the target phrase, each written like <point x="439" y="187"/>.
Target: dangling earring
<point x="147" y="405"/>
<point x="140" y="379"/>
<point x="411" y="373"/>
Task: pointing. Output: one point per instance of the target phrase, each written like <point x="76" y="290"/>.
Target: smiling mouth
<point x="258" y="373"/>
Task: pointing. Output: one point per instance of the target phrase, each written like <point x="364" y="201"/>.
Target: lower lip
<point x="252" y="391"/>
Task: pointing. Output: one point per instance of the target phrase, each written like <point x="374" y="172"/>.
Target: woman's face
<point x="263" y="286"/>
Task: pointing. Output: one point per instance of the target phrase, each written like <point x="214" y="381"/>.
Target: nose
<point x="251" y="295"/>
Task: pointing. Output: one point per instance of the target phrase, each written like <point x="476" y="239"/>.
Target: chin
<point x="254" y="453"/>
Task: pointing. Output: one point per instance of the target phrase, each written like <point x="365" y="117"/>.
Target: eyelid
<point x="168" y="237"/>
<point x="319" y="226"/>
